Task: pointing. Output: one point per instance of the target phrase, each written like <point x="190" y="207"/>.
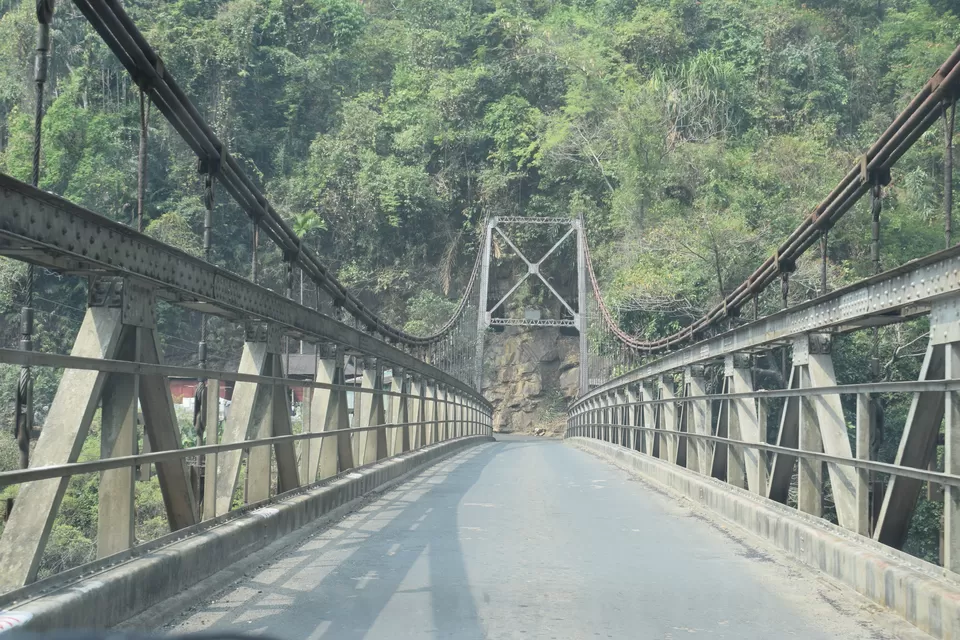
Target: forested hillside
<point x="693" y="135"/>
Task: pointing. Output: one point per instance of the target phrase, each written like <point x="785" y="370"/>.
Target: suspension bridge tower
<point x="574" y="315"/>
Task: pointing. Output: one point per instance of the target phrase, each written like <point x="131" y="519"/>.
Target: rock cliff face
<point x="530" y="376"/>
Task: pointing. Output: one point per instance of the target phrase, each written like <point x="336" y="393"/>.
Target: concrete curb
<point x="918" y="591"/>
<point x="122" y="592"/>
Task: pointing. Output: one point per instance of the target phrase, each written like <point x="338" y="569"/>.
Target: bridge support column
<point x="744" y="425"/>
<point x="373" y="443"/>
<point x="698" y="420"/>
<point x="633" y="436"/>
<point x="329" y="412"/>
<point x="668" y="419"/>
<point x="918" y="445"/>
<point x="788" y="436"/>
<point x="118" y="437"/>
<point x="648" y="419"/>
<point x="418" y="411"/>
<point x="257" y="410"/>
<point x="399" y="413"/>
<point x="119" y="310"/>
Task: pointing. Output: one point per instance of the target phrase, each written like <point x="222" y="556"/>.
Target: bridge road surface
<point x="531" y="538"/>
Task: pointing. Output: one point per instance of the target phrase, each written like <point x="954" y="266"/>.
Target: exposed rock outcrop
<point x="530" y="376"/>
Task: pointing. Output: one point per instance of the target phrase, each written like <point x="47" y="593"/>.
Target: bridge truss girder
<point x="117" y="358"/>
<point x="118" y="326"/>
<point x="812" y="431"/>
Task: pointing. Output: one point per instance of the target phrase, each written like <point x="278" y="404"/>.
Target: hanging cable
<point x="23" y="425"/>
<point x="142" y="159"/>
<point x="948" y="128"/>
<point x="200" y="394"/>
<point x="876" y="208"/>
<point x="823" y="262"/>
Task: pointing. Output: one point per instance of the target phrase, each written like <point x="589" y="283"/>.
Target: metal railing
<point x="696" y="442"/>
<point x="345" y="426"/>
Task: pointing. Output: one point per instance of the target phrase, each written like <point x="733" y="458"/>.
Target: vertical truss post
<point x="697" y="419"/>
<point x="605" y="418"/>
<point x="118" y="437"/>
<point x="374" y="443"/>
<point x="248" y="409"/>
<point x="582" y="314"/>
<point x="736" y="456"/>
<point x="951" y="463"/>
<point x="456" y="415"/>
<point x="399" y="413"/>
<point x="832" y="426"/>
<point x="864" y="433"/>
<point x="259" y="458"/>
<point x="747" y="422"/>
<point x="483" y="320"/>
<point x="328" y="412"/>
<point x="810" y="472"/>
<point x="788" y="436"/>
<point x="668" y="419"/>
<point x="307" y="474"/>
<point x="430" y="411"/>
<point x="443" y="414"/>
<point x="417" y="411"/>
<point x="210" y="438"/>
<point x="718" y="465"/>
<point x="632" y="411"/>
<point x="648" y="419"/>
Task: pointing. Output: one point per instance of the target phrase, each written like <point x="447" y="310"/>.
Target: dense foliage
<point x="692" y="134"/>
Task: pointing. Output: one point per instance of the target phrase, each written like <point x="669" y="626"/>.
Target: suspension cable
<point x="872" y="173"/>
<point x="23" y="421"/>
<point x="118" y="31"/>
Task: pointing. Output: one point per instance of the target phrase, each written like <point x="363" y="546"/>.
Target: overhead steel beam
<point x="892" y="295"/>
<point x="49" y="231"/>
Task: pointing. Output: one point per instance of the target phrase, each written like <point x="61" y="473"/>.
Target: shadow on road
<point x="338" y="583"/>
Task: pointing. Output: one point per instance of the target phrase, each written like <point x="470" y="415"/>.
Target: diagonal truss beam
<point x="534" y="268"/>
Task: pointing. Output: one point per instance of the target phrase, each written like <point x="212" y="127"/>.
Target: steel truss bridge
<point x="440" y="554"/>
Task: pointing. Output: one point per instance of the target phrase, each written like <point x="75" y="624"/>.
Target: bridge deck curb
<point x="119" y="593"/>
<point x="924" y="594"/>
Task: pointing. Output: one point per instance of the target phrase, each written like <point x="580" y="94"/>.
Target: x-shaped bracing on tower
<point x="578" y="317"/>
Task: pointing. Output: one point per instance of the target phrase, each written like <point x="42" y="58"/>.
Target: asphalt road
<point x="529" y="538"/>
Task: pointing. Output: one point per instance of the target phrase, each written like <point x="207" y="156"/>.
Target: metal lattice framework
<point x="403" y="391"/>
<point x="663" y="409"/>
<point x="116" y="365"/>
<point x="533" y="268"/>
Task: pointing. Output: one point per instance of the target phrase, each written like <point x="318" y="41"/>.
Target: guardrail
<point x="695" y="431"/>
<point x="344" y="426"/>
